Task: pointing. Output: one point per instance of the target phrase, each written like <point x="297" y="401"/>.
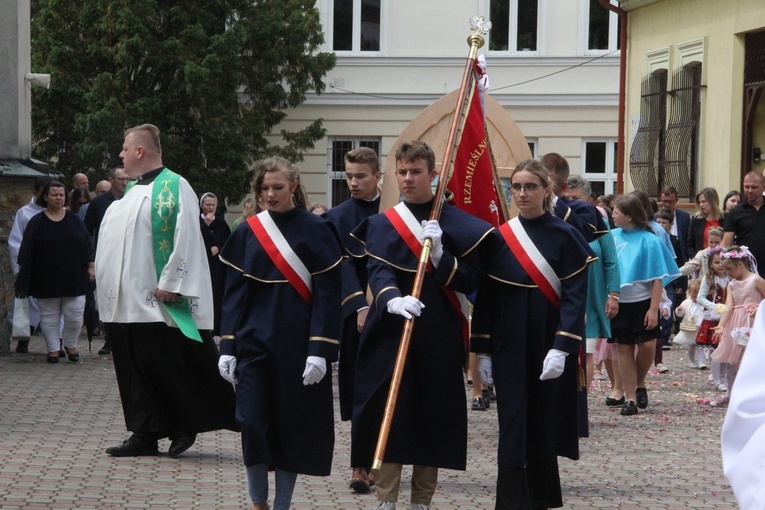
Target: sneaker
<point x="662" y="368"/>
<point x="711" y="379"/>
<point x="694" y="365"/>
<point x="478" y="404"/>
<point x="665" y="347"/>
<point x="386" y="505"/>
<point x="703" y="366"/>
<point x="359" y="481"/>
<point x="720" y="402"/>
<point x="419" y="506"/>
<point x="721" y="387"/>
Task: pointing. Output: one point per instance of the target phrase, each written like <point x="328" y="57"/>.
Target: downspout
<point x="622" y="92"/>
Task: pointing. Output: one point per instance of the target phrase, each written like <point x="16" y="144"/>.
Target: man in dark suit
<point x="669" y="201"/>
<point x="680" y="225"/>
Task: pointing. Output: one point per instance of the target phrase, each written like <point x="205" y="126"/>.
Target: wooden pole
<point x="475" y="41"/>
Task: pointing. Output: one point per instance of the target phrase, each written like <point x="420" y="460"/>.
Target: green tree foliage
<point x="216" y="77"/>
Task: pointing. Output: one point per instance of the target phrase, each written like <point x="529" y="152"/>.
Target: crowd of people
<point x="294" y="288"/>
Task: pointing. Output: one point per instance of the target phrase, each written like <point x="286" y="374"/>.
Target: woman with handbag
<point x="745" y="291"/>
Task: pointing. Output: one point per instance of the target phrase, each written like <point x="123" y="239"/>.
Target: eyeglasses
<point x="529" y="188"/>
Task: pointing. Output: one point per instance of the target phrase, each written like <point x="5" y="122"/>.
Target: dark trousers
<point x="535" y="487"/>
<point x="169" y="384"/>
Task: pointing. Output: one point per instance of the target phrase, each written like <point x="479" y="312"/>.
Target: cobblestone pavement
<point x="57" y="420"/>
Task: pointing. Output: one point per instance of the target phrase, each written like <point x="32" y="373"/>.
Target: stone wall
<point x="15" y="193"/>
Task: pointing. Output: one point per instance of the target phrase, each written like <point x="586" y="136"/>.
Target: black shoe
<point x="62" y="353"/>
<point x="22" y="347"/>
<point x="181" y="443"/>
<point x="478" y="404"/>
<point x="106" y="349"/>
<point x="52" y="359"/>
<point x="641" y="395"/>
<point x="492" y="394"/>
<point x="629" y="408"/>
<point x="486" y="398"/>
<point x="613" y="402"/>
<point x="74" y="358"/>
<point x="134" y="446"/>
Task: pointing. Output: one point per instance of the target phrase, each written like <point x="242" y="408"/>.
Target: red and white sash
<point x="533" y="262"/>
<point x="410" y="229"/>
<point x="281" y="253"/>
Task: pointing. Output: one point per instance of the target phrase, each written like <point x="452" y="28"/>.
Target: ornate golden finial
<point x="479" y="25"/>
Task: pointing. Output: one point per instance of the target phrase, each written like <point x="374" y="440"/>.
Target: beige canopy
<point x="508" y="144"/>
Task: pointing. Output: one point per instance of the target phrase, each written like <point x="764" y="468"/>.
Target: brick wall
<point x="15" y="193"/>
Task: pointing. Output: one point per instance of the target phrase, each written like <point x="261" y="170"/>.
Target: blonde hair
<point x="537" y="168"/>
<point x="147" y="136"/>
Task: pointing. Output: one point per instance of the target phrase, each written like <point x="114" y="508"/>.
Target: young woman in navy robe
<point x="528" y="337"/>
<point x="276" y="344"/>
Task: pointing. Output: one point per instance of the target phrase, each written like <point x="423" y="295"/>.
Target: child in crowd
<point x="745" y="291"/>
<point x="698" y="266"/>
<point x="675" y="289"/>
<point x="692" y="313"/>
<point x="712" y="298"/>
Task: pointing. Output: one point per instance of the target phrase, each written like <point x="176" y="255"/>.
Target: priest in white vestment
<point x="158" y="314"/>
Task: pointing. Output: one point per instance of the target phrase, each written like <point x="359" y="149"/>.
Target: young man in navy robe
<point x="581" y="215"/>
<point x="429" y="426"/>
<point x="362" y="171"/>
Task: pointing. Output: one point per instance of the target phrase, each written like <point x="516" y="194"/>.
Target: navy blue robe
<point x="346" y="217"/>
<point x="517" y="325"/>
<point x="271" y="330"/>
<point x="430" y="421"/>
<point x="583" y="216"/>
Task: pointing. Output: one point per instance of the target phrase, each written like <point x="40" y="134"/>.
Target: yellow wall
<point x="669" y="23"/>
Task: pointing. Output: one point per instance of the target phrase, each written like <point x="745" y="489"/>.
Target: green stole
<point x="164" y="194"/>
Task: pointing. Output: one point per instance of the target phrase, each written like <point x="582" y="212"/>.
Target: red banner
<point x="472" y="180"/>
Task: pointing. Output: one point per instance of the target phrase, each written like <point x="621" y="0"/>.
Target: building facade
<point x="695" y="72"/>
<point x="553" y="65"/>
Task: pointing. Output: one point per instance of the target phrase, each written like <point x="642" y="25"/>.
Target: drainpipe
<point x="622" y="96"/>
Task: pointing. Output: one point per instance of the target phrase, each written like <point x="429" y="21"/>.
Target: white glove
<point x="226" y="367"/>
<point x="405" y="306"/>
<point x="553" y="364"/>
<point x="431" y="229"/>
<point x="315" y="368"/>
<point x="484" y="368"/>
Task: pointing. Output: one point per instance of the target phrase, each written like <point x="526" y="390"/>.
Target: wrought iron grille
<point x="754" y="83"/>
<point x="680" y="165"/>
<point x="649" y="141"/>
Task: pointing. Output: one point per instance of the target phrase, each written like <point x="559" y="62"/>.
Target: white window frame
<point x="584" y="30"/>
<point x="484" y="8"/>
<point x="609" y="176"/>
<point x="328" y="9"/>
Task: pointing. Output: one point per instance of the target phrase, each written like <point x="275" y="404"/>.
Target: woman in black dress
<point x="55" y="266"/>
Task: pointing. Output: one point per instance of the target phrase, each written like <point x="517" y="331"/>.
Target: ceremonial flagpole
<point x="475" y="41"/>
